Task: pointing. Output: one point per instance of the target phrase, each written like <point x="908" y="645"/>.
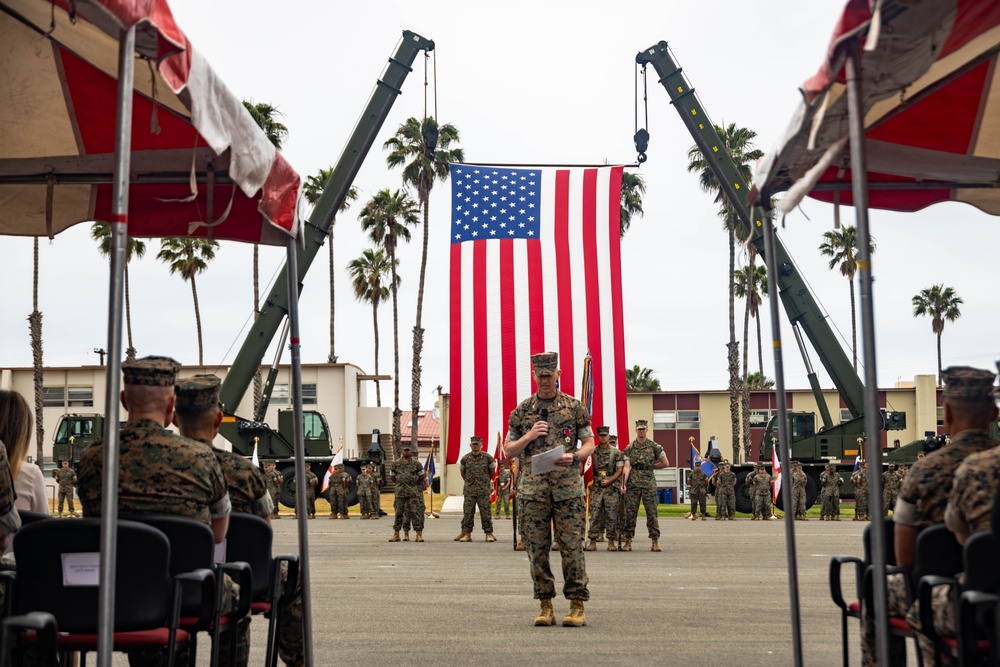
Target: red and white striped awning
<point x="931" y="97"/>
<point x="58" y="69"/>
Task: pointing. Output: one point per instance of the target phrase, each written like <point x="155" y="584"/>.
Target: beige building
<point x="338" y="391"/>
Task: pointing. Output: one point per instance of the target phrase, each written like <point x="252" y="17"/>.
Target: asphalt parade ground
<point x="718" y="594"/>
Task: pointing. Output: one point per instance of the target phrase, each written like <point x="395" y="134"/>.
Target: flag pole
<point x="430" y="486"/>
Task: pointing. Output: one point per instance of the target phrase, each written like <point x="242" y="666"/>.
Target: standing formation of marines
<point x="368" y="493"/>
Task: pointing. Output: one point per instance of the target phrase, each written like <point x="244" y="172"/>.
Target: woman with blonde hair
<point x="15" y="433"/>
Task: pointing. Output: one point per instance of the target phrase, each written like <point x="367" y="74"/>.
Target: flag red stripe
<point x="592" y="286"/>
<point x="455" y="401"/>
<point x="480" y="325"/>
<point x="617" y="310"/>
<point x="508" y="335"/>
<point x="564" y="282"/>
<point x="536" y="302"/>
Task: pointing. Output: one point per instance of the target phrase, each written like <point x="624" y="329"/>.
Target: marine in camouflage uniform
<point x="860" y="481"/>
<point x="66" y="479"/>
<point x="365" y="484"/>
<point x="760" y="493"/>
<point x="556" y="497"/>
<point x="923" y="498"/>
<point x="273" y="479"/>
<point x="698" y="491"/>
<point x="161" y="473"/>
<point x="503" y="491"/>
<point x="891" y="482"/>
<point x="606" y="491"/>
<point x="340" y="487"/>
<point x="408" y="503"/>
<point x="643" y="456"/>
<point x="724" y="482"/>
<point x="477" y="471"/>
<point x="312" y="481"/>
<point x="830" y="481"/>
<point x="375" y="494"/>
<point x="799" y="483"/>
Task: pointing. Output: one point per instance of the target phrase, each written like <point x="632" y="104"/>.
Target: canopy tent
<point x="70" y="153"/>
<point x="931" y="101"/>
<point x="193" y="142"/>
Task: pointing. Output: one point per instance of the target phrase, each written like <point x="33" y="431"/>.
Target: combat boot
<point x="547" y="616"/>
<point x="693" y="517"/>
<point x="490" y="538"/>
<point x="704" y="518"/>
<point x="575" y="618"/>
<point x="592" y="546"/>
<point x="628" y="544"/>
<point x="419" y="537"/>
<point x="395" y="536"/>
<point x="465" y="537"/>
<point x="655" y="546"/>
<point x="460" y="536"/>
<point x="345" y="516"/>
<point x="406" y="536"/>
<point x="520" y="546"/>
<point x="333" y="515"/>
<point x="611" y="546"/>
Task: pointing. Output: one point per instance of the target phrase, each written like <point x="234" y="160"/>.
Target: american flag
<point x="535" y="267"/>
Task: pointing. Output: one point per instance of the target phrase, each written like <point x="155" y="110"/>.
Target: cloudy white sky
<point x="524" y="82"/>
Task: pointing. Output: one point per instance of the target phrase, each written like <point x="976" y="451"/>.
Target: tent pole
<point x="873" y="426"/>
<point x="784" y="442"/>
<point x="300" y="448"/>
<point x="119" y="239"/>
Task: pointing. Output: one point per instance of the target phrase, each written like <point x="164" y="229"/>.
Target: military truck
<point x="813" y="443"/>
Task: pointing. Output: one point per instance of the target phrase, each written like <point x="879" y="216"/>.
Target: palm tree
<point x="101" y="233"/>
<point x="759" y="381"/>
<point x="266" y="116"/>
<point x="749" y="283"/>
<point x="312" y="191"/>
<point x="189" y="257"/>
<point x="841" y="246"/>
<point x="640" y="379"/>
<point x="369" y="275"/>
<point x="35" y="329"/>
<point x="941" y="303"/>
<point x="633" y="188"/>
<point x="739" y="143"/>
<point x="424" y="150"/>
<point x="387" y="218"/>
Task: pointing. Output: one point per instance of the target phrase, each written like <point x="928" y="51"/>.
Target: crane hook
<point x="641" y="140"/>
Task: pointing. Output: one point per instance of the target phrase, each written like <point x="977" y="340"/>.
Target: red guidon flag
<point x="535" y="267"/>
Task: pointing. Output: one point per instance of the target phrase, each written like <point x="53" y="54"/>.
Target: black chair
<point x="837" y="563"/>
<point x="28" y="518"/>
<point x="249" y="540"/>
<point x="147" y="598"/>
<point x="193" y="548"/>
<point x="43" y="631"/>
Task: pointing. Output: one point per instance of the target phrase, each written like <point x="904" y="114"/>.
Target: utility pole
<point x="100" y="351"/>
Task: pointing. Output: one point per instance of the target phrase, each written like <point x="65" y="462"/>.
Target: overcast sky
<point x="524" y="82"/>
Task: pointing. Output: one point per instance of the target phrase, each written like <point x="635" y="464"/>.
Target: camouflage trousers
<point x="568" y="516"/>
<point x="699" y="499"/>
<point x="888" y="501"/>
<point x="831" y="506"/>
<point x="503" y="497"/>
<point x="633" y="497"/>
<point x="520" y="517"/>
<point x="761" y="505"/>
<point x="311" y="501"/>
<point x="365" y="503"/>
<point x="799" y="501"/>
<point x="230" y="598"/>
<point x="604" y="512"/>
<point x="896" y="595"/>
<point x="275" y="497"/>
<point x="338" y="500"/>
<point x="944" y="624"/>
<point x="861" y="504"/>
<point x="469" y="504"/>
<point x="409" y="511"/>
<point x="374" y="501"/>
<point x="725" y="504"/>
<point x="291" y="636"/>
<point x="66" y="495"/>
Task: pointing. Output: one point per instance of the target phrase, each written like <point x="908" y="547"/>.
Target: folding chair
<point x="249" y="540"/>
<point x="837" y="563"/>
<point x="193" y="548"/>
<point x="53" y="557"/>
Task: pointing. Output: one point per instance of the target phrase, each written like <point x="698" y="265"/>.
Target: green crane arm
<point x="799" y="304"/>
<point x="275" y="304"/>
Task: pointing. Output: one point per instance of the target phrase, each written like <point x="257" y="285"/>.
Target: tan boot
<point x="333" y="516"/>
<point x="395" y="536"/>
<point x="520" y="546"/>
<point x="628" y="544"/>
<point x="419" y="537"/>
<point x="406" y="536"/>
<point x="547" y="616"/>
<point x="575" y="618"/>
<point x="460" y="536"/>
<point x="704" y="518"/>
<point x="490" y="538"/>
<point x="656" y="546"/>
<point x="465" y="537"/>
<point x="592" y="546"/>
<point x="611" y="546"/>
<point x="694" y="517"/>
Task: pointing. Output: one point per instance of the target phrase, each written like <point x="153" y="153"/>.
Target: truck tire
<point x="743" y="502"/>
<point x="287" y="496"/>
<point x="812" y="492"/>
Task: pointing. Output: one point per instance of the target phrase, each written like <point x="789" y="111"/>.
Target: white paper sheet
<point x="546" y="461"/>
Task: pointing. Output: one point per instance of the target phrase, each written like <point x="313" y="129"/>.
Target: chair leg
<point x="843" y="639"/>
<point x="272" y="635"/>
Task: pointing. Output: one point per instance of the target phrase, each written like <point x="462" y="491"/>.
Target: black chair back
<point x="249" y="540"/>
<point x="28" y="518"/>
<point x="142" y="577"/>
<point x="981" y="553"/>
<point x="889" y="531"/>
<point x="937" y="553"/>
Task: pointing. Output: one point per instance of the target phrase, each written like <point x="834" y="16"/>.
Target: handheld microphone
<point x="545" y="414"/>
